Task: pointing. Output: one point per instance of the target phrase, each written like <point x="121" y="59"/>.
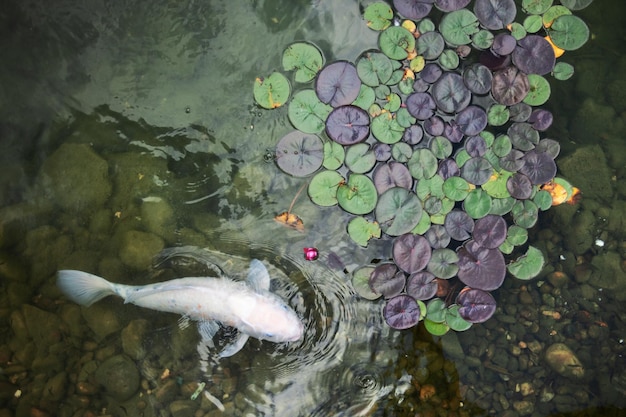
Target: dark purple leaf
<point x="503" y="44"/>
<point x="421" y="105"/>
<point x="476" y="306"/>
<point x="539" y="167"/>
<point x="448" y="168"/>
<point x="382" y="151"/>
<point x="472" y="120"/>
<point x="420" y="86"/>
<point x="494" y="62"/>
<point x="490" y="231"/>
<point x="519" y="186"/>
<point x="459" y="225"/>
<point x="437" y="236"/>
<point x="534" y="55"/>
<point x="451" y="5"/>
<point x="477" y="78"/>
<point x="450" y="93"/>
<point x="540" y="119"/>
<point x="520" y="112"/>
<point x="476" y="170"/>
<point x="509" y="86"/>
<point x="421" y="285"/>
<point x="550" y="146"/>
<point x="430" y="73"/>
<point x="523" y="136"/>
<point x="299" y="154"/>
<point x="411" y="252"/>
<point x="512" y="161"/>
<point x="476" y="146"/>
<point x="413" y="9"/>
<point x="480" y="267"/>
<point x="413" y="135"/>
<point x="401" y="312"/>
<point x="434" y="126"/>
<point x="348" y="125"/>
<point x="338" y="84"/>
<point x="452" y="132"/>
<point x="387" y="280"/>
<point x="392" y="174"/>
<point x="495" y="14"/>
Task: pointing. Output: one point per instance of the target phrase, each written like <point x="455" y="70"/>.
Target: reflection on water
<point x="128" y="127"/>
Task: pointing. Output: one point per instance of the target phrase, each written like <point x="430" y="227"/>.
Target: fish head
<point x="272" y="319"/>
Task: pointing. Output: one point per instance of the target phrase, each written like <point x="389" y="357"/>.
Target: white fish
<point x="248" y="306"/>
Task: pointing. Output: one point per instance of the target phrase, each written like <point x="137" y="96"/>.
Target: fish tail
<point x="84" y="288"/>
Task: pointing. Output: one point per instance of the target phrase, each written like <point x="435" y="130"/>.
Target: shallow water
<point x="157" y="99"/>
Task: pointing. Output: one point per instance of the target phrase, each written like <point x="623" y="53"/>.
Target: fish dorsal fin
<point x="258" y="277"/>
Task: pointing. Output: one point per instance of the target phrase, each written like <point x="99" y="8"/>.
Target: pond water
<point x="129" y="127"/>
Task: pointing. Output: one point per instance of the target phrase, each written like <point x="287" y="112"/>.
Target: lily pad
<point x="471" y="120"/>
<point x="348" y="125"/>
<point x="323" y="188"/>
<point x="490" y="231"/>
<point x="477" y="203"/>
<point x="423" y="164"/>
<point x="307" y="113"/>
<point x="378" y="16"/>
<point x="539" y="167"/>
<point x="360" y="158"/>
<point x="475" y="306"/>
<point x="456" y="188"/>
<point x="421" y="285"/>
<point x="358" y="195"/>
<point x="271" y="92"/>
<point x="374" y="68"/>
<point x="569" y="32"/>
<point x="527" y="266"/>
<point x="360" y="282"/>
<point x="509" y="86"/>
<point x="299" y="154"/>
<point x="454" y="319"/>
<point x="413" y="9"/>
<point x="430" y="45"/>
<point x="338" y="84"/>
<point x="421" y="105"/>
<point x="534" y="55"/>
<point x="434" y="328"/>
<point x="495" y="14"/>
<point x="392" y="174"/>
<point x="539" y="90"/>
<point x="386" y="129"/>
<point x="387" y="280"/>
<point x="458" y="26"/>
<point x="305" y="58"/>
<point x="398" y="211"/>
<point x="481" y="267"/>
<point x="396" y="42"/>
<point x="411" y="252"/>
<point x="450" y="93"/>
<point x="459" y="225"/>
<point x="478" y="78"/>
<point x="443" y="263"/>
<point x="334" y="155"/>
<point x="563" y="71"/>
<point x="362" y="230"/>
<point x="401" y="312"/>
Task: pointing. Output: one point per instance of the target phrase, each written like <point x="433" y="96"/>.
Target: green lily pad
<point x="323" y="188"/>
<point x="428" y="187"/>
<point x="455" y="321"/>
<point x="502" y="146"/>
<point x="401" y="152"/>
<point x="498" y="115"/>
<point x="477" y="204"/>
<point x="543" y="200"/>
<point x="502" y="206"/>
<point x="386" y="129"/>
<point x="305" y="58"/>
<point x="518" y="30"/>
<point x="360" y="158"/>
<point x="436" y="329"/>
<point x="552" y="13"/>
<point x="576" y="4"/>
<point x="271" y="92"/>
<point x="456" y="188"/>
<point x="525" y="213"/>
<point x="334" y="155"/>
<point x="393" y="103"/>
<point x="569" y="32"/>
<point x="423" y="164"/>
<point x="398" y="211"/>
<point x="366" y="97"/>
<point x="563" y="71"/>
<point x="436" y="310"/>
<point x="307" y="113"/>
<point x="536" y="6"/>
<point x="396" y="42"/>
<point x="443" y="263"/>
<point x="482" y="39"/>
<point x="361" y="282"/>
<point x="458" y="26"/>
<point x="374" y="68"/>
<point x="516" y="235"/>
<point x="539" y="91"/>
<point x="378" y="16"/>
<point x="533" y="24"/>
<point x="496" y="186"/>
<point x="441" y="147"/>
<point x="527" y="266"/>
<point x="358" y="195"/>
<point x="362" y="230"/>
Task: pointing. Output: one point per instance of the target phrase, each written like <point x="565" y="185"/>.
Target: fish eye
<point x="268" y="335"/>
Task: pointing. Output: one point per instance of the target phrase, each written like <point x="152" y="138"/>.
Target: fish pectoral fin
<point x="258" y="277"/>
<point x="207" y="330"/>
<point x="184" y="322"/>
<point x="235" y="346"/>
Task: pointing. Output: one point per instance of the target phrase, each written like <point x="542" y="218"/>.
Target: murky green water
<point x="128" y="127"/>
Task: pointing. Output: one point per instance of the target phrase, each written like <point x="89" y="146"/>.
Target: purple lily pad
<point x="431" y="73"/>
<point x="495" y="14"/>
<point x="448" y="168"/>
<point x="421" y="105"/>
<point x="476" y="306"/>
<point x="420" y="86"/>
<point x="512" y="161"/>
<point x="534" y="55"/>
<point x="338" y="84"/>
<point x="476" y="146"/>
<point x="413" y="135"/>
<point x="459" y="225"/>
<point x="503" y="44"/>
<point x="437" y="236"/>
<point x="520" y="112"/>
<point x="382" y="151"/>
<point x="453" y="132"/>
<point x="387" y="280"/>
<point x="477" y="170"/>
<point x="523" y="136"/>
<point x="299" y="154"/>
<point x="480" y="267"/>
<point x="539" y="167"/>
<point x="421" y="285"/>
<point x="519" y="186"/>
<point x="434" y="126"/>
<point x="472" y="120"/>
<point x="550" y="146"/>
<point x="450" y="93"/>
<point x="392" y="174"/>
<point x="451" y="5"/>
<point x="477" y="78"/>
<point x="490" y="231"/>
<point x="509" y="86"/>
<point x="541" y="119"/>
<point x="411" y="252"/>
<point x="348" y="125"/>
<point x="401" y="312"/>
<point x="413" y="9"/>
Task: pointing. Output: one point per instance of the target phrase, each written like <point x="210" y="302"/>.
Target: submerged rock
<point x="138" y="248"/>
<point x="564" y="361"/>
<point x="119" y="377"/>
